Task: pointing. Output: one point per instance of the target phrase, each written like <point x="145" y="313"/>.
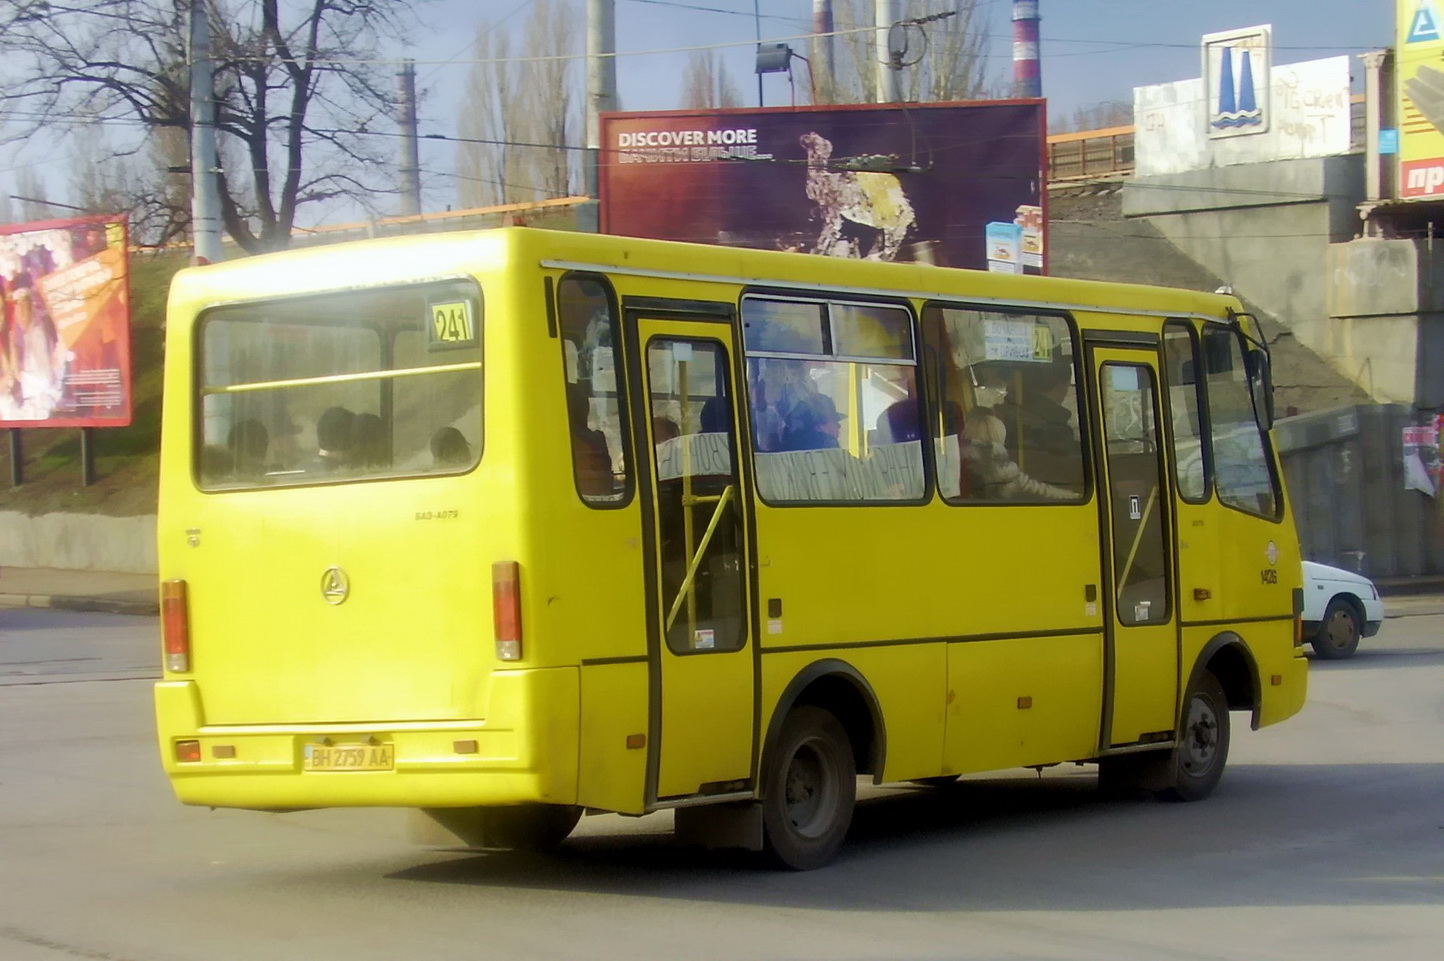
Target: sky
<point x="1092" y="51"/>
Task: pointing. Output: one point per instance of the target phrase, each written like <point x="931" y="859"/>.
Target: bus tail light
<point x="175" y="626"/>
<point x="506" y="609"/>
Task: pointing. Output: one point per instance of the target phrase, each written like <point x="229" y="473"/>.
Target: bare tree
<point x="1107" y="113"/>
<point x="519" y="119"/>
<point x="30" y="192"/>
<point x="295" y="91"/>
<point x="707" y="84"/>
<point x="944" y="59"/>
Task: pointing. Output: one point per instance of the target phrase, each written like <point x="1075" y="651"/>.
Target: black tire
<point x="521" y="827"/>
<point x="1202" y="750"/>
<point x="809" y="787"/>
<point x="1339" y="631"/>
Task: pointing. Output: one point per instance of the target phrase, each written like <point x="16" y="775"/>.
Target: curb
<point x="91" y="605"/>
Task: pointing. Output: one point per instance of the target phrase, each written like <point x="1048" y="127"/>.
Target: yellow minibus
<point x="509" y="525"/>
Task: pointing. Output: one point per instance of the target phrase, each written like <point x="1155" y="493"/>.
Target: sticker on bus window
<point x="704" y="640"/>
<point x="452" y="325"/>
<point x="1025" y="340"/>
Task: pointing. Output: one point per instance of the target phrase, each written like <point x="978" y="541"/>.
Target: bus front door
<point x="1141" y="654"/>
<point x="698" y="570"/>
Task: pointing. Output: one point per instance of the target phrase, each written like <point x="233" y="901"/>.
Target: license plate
<point x="350" y="757"/>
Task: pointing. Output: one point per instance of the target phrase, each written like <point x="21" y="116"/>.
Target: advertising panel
<point x="953" y="184"/>
<point x="1420" y="109"/>
<point x="65" y="325"/>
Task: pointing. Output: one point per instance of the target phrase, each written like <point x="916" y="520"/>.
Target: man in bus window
<point x="813" y="424"/>
<point x="1046" y="443"/>
<point x="590" y="453"/>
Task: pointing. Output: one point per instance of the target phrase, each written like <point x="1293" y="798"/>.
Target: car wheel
<point x="808" y="791"/>
<point x="1339" y="631"/>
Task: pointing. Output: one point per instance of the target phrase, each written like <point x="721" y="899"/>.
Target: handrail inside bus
<point x="1137" y="537"/>
<point x="341" y="378"/>
<point x="696" y="561"/>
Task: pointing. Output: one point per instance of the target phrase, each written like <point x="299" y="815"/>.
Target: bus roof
<point x="422" y="257"/>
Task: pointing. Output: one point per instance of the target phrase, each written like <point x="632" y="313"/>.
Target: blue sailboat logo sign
<point x="1236" y="65"/>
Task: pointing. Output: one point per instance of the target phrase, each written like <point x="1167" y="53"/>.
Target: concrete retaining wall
<point x="1345" y="474"/>
<point x="78" y="542"/>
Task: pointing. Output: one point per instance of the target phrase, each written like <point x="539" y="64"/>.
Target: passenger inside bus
<point x="590" y="454"/>
<point x="369" y="441"/>
<point x="989" y="471"/>
<point x="333" y="439"/>
<point x="1044" y="439"/>
<point x="813" y="423"/>
<point x="449" y="448"/>
<point x="248" y="442"/>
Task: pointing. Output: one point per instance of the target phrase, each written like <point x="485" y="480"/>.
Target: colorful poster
<point x="1421" y="459"/>
<point x="1420" y="107"/>
<point x="876" y="182"/>
<point x="65" y="326"/>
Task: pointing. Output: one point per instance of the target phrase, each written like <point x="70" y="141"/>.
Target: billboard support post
<point x="17" y="469"/>
<point x="87" y="457"/>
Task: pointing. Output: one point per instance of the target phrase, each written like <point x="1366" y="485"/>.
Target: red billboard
<point x="65" y="325"/>
<point x="953" y="184"/>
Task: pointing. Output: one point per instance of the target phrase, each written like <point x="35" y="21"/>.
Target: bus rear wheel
<point x="1202" y="748"/>
<point x="809" y="790"/>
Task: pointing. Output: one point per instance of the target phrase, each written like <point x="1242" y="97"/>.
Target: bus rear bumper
<point x="524" y="751"/>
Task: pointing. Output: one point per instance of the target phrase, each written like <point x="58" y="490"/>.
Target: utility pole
<point x="601" y="82"/>
<point x="410" y="155"/>
<point x="889" y="78"/>
<point x="205" y="166"/>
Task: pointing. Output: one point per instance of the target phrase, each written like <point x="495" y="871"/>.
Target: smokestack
<point x="822" y="50"/>
<point x="1027" y="78"/>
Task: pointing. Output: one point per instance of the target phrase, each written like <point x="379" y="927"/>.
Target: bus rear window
<point x="340" y="387"/>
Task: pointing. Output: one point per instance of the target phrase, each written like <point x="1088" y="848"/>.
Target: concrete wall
<point x="78" y="542"/>
<point x="1345" y="477"/>
<point x="1386" y="318"/>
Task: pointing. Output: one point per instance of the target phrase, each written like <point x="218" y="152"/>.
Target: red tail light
<point x="506" y="609"/>
<point x="175" y="626"/>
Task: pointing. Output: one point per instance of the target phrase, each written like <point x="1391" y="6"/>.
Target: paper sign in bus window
<point x="452" y="325"/>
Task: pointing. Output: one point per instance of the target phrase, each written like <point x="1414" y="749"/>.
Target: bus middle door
<point x="698" y="569"/>
<point x="1141" y="659"/>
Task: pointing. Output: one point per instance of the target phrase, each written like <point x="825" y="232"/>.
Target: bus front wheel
<point x="809" y="789"/>
<point x="1202" y="749"/>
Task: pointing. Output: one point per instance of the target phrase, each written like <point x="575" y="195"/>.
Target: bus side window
<point x="593" y="398"/>
<point x="1008" y="406"/>
<point x="1190" y="459"/>
<point x="1241" y="466"/>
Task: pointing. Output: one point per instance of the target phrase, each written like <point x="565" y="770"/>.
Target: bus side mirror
<point x="1261" y="384"/>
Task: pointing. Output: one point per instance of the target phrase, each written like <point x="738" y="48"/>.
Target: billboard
<point x="952" y="184"/>
<point x="1420" y="108"/>
<point x="65" y="325"/>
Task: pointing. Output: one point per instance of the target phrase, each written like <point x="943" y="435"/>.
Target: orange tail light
<point x="175" y="626"/>
<point x="506" y="609"/>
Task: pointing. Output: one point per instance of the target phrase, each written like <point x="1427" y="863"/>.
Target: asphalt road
<point x="1325" y="841"/>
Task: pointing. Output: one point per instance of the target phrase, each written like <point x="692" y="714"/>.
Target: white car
<point x="1339" y="608"/>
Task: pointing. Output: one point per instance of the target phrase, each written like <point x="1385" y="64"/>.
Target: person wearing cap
<point x="813" y="423"/>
